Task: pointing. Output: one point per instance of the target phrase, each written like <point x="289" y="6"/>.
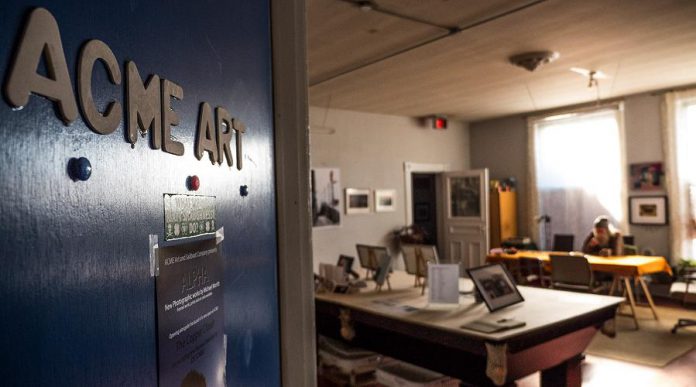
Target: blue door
<point x="77" y="301"/>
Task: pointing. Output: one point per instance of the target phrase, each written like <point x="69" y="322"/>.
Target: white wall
<point x="501" y="145"/>
<point x="644" y="144"/>
<point x="370" y="151"/>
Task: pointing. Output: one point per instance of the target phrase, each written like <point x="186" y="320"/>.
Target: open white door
<point x="464" y="215"/>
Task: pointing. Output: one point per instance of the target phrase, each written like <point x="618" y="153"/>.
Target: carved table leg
<point x="567" y="374"/>
<point x="347" y="329"/>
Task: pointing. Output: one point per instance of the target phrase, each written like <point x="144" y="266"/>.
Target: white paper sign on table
<point x="443" y="283"/>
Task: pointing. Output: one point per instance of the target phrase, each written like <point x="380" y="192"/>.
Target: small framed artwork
<point x="495" y="285"/>
<point x="357" y="201"/>
<point x="647" y="210"/>
<point x="326" y="197"/>
<point x="385" y="200"/>
<point x="646" y="176"/>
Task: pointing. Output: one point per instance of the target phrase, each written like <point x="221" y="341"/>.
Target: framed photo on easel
<point x="495" y="285"/>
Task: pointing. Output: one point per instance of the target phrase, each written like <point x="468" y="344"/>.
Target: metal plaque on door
<point x="187" y="216"/>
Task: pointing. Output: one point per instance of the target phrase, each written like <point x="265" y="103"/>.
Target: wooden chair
<point x="572" y="272"/>
<point x="563" y="242"/>
<point x="686" y="287"/>
<point x="630" y="250"/>
<point x="416" y="260"/>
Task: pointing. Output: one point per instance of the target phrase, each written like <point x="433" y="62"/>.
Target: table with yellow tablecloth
<point x="623" y="268"/>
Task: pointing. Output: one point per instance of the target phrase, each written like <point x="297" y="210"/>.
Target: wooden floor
<point x="602" y="372"/>
<point x="599" y="372"/>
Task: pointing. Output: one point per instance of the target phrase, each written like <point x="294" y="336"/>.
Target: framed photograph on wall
<point x="326" y="197"/>
<point x="646" y="176"/>
<point x="647" y="210"/>
<point x="385" y="200"/>
<point x="357" y="201"/>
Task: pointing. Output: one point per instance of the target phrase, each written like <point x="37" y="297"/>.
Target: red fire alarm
<point x="439" y="122"/>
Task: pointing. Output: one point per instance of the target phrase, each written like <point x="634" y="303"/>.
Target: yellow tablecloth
<point x="628" y="265"/>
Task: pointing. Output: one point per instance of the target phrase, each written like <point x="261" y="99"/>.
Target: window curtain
<point x="576" y="172"/>
<point x="679" y="148"/>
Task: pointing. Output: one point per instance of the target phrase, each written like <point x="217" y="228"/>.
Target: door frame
<point x="409" y="169"/>
<point x="294" y="219"/>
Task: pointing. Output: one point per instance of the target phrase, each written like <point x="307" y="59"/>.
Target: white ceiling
<point x="642" y="45"/>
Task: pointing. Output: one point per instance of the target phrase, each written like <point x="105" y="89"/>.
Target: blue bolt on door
<point x="77" y="300"/>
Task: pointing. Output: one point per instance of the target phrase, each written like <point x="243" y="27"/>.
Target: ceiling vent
<point x="533" y="60"/>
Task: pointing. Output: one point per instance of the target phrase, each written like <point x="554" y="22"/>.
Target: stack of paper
<point x="397" y="373"/>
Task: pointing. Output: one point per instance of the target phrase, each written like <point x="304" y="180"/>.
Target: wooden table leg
<point x="568" y="373"/>
<point x="648" y="296"/>
<point x="614" y="284"/>
<point x="631" y="300"/>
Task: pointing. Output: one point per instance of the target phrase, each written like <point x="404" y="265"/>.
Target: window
<point x="578" y="173"/>
<point x="680" y="157"/>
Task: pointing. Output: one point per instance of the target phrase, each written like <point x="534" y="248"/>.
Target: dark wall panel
<point x="78" y="302"/>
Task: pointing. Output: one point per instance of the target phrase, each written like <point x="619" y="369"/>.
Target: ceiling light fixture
<point x="533" y="60"/>
<point x="593" y="77"/>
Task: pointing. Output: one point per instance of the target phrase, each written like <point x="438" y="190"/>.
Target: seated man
<point x="604" y="239"/>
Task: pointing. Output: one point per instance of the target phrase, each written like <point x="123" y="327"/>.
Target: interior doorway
<point x="452" y="207"/>
<point x="424" y="206"/>
<point x="427" y="214"/>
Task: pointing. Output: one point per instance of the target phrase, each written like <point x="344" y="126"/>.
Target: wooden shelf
<point x="503" y="216"/>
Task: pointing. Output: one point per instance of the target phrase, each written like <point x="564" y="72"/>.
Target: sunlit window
<point x="578" y="165"/>
<point x="687" y="155"/>
<point x="687" y="166"/>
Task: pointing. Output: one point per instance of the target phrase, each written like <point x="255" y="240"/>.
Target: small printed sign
<point x="443" y="283"/>
<point x="190" y="315"/>
<point x="188" y="216"/>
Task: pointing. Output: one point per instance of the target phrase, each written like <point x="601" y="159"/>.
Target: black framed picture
<point x="496" y="286"/>
<point x="346" y="262"/>
<point x="647" y="210"/>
